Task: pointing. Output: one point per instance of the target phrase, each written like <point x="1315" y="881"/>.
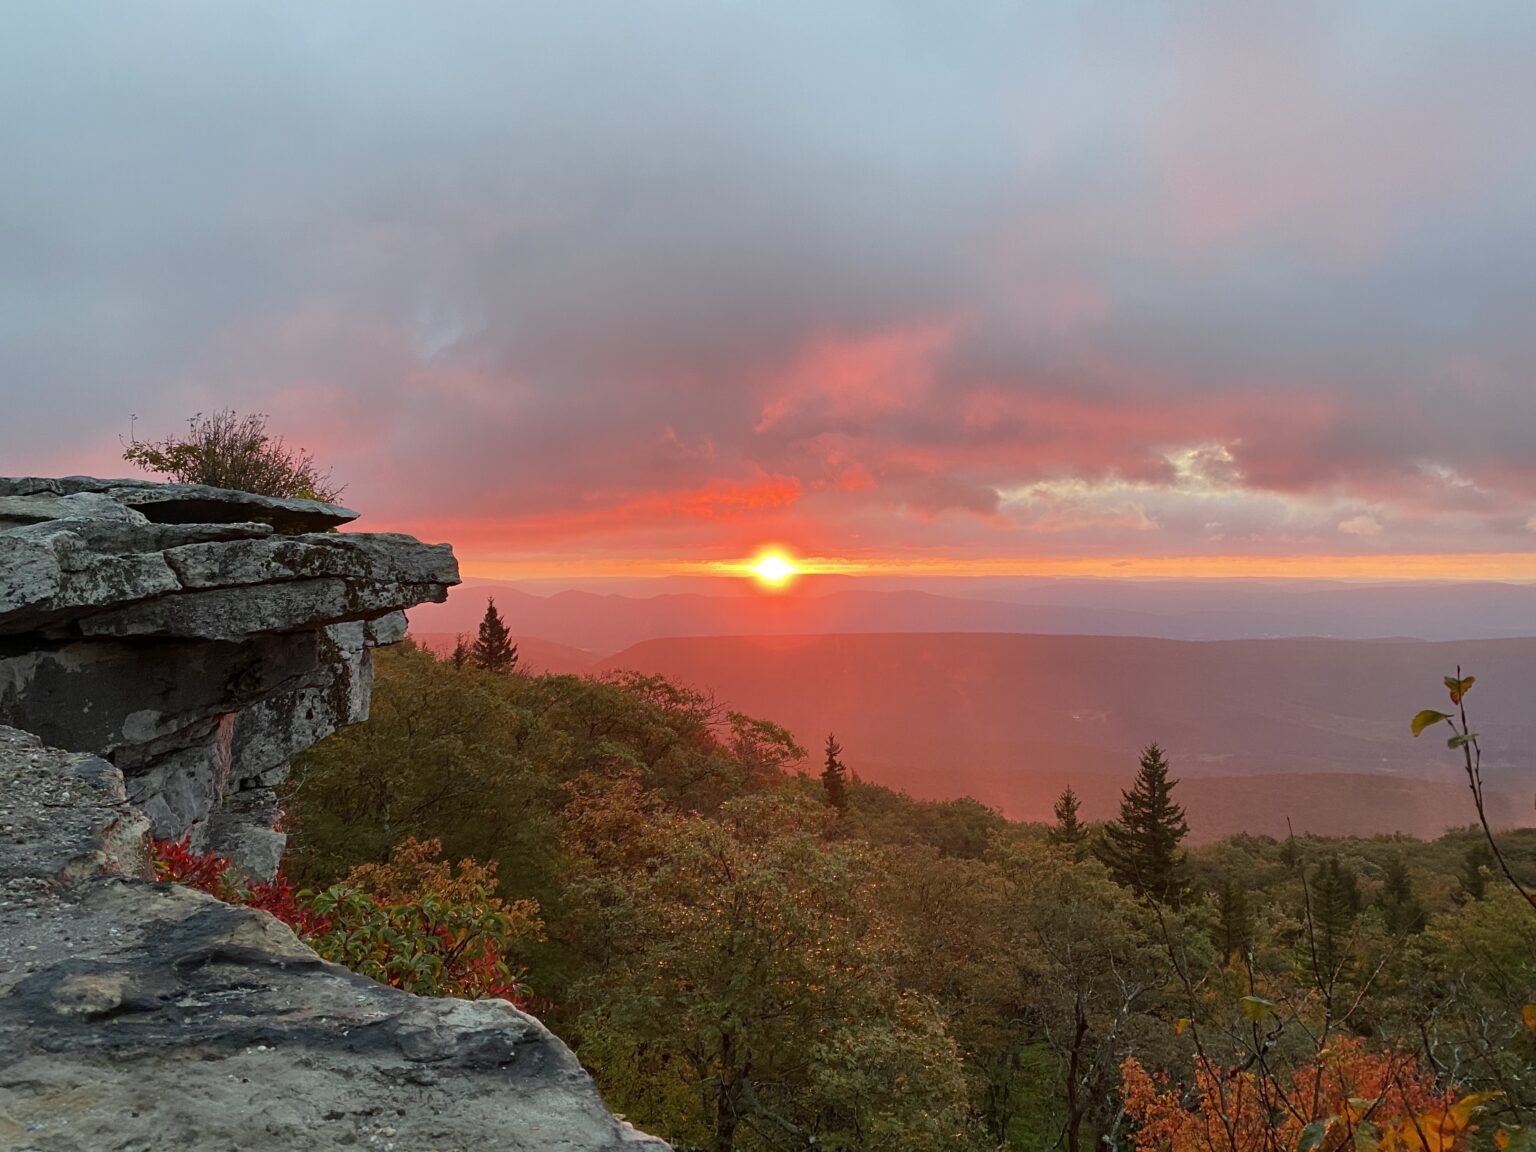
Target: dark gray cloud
<point x="971" y="277"/>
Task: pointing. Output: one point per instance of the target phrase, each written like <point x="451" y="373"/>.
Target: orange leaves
<point x="1458" y="688"/>
<point x="1438" y="1129"/>
<point x="1352" y="1097"/>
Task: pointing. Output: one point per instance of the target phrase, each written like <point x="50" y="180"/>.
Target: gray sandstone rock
<point x="197" y="638"/>
<point x="237" y="613"/>
<point x="137" y="1015"/>
<point x="378" y="558"/>
<point x="189" y="503"/>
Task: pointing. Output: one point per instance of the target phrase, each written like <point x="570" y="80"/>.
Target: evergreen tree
<point x="1400" y="905"/>
<point x="1235" y="918"/>
<point x="1068" y="832"/>
<point x="461" y="654"/>
<point x="493" y="650"/>
<point x="1335" y="904"/>
<point x="1474" y="880"/>
<point x="834" y="777"/>
<point x="1141" y="849"/>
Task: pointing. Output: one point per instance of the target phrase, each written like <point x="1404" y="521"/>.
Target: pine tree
<point x="1141" y="849"/>
<point x="460" y="655"/>
<point x="1335" y="904"/>
<point x="834" y="777"/>
<point x="1068" y="832"/>
<point x="493" y="650"/>
<point x="1234" y="916"/>
<point x="1400" y="905"/>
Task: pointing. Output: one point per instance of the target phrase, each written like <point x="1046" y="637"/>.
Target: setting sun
<point x="774" y="569"/>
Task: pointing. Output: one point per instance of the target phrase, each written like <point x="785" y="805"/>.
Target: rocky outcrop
<point x="137" y="1015"/>
<point x="165" y="649"/>
<point x="196" y="638"/>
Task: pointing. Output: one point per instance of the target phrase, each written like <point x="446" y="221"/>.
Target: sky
<point x="636" y="288"/>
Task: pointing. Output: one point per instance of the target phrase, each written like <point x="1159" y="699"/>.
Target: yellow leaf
<point x="1462" y="1110"/>
<point x="1528" y="1014"/>
<point x="1180" y="1025"/>
<point x="1256" y="1007"/>
<point x="1501" y="1139"/>
<point x="1424" y="719"/>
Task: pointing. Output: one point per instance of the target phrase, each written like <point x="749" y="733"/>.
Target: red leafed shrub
<point x="414" y="923"/>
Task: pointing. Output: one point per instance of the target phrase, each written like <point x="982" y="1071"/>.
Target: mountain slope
<point x="1314" y="729"/>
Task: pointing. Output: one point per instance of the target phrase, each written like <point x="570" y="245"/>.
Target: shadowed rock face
<point x="137" y="1015"/>
<point x="195" y="637"/>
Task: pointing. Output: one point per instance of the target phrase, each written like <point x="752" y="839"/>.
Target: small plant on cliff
<point x="227" y="450"/>
<point x="416" y="923"/>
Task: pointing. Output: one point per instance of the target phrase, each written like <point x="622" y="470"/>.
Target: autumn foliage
<point x="417" y="922"/>
<point x="1348" y="1097"/>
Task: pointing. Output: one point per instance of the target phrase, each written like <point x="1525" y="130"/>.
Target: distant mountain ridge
<point x="1173" y="610"/>
<point x="1316" y="730"/>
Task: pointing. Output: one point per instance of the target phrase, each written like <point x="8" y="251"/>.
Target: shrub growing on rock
<point x="415" y="923"/>
<point x="227" y="450"/>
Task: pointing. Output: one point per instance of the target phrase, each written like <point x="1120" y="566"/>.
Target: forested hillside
<point x="752" y="949"/>
<point x="1264" y="730"/>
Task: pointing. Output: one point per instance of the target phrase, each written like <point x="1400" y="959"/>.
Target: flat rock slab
<point x="188" y="503"/>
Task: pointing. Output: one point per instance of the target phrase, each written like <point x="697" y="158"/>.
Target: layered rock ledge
<point x="196" y="638"/>
<point x="164" y="650"/>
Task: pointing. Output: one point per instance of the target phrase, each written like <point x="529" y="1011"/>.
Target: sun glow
<point x="774" y="569"/>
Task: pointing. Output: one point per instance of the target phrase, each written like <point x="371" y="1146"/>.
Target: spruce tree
<point x="1235" y="918"/>
<point x="1400" y="905"/>
<point x="1141" y="849"/>
<point x="1335" y="904"/>
<point x="493" y="650"/>
<point x="460" y="655"/>
<point x="1069" y="832"/>
<point x="834" y="777"/>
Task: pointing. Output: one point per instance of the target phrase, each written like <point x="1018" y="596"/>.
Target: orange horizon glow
<point x="1499" y="566"/>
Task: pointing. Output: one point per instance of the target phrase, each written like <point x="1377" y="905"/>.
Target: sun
<point x="773" y="569"/>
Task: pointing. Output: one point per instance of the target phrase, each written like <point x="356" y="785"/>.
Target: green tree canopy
<point x="1142" y="848"/>
<point x="493" y="650"/>
<point x="1069" y="832"/>
<point x="834" y="777"/>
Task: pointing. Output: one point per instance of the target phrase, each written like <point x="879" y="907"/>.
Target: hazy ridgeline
<point x="1263" y="731"/>
<point x="747" y="961"/>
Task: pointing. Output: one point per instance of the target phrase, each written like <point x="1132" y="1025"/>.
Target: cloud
<point x="1362" y="525"/>
<point x="992" y="281"/>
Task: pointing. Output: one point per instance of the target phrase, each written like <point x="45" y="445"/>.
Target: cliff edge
<point x="164" y="650"/>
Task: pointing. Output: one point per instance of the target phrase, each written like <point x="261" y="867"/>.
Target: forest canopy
<point x="750" y="957"/>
